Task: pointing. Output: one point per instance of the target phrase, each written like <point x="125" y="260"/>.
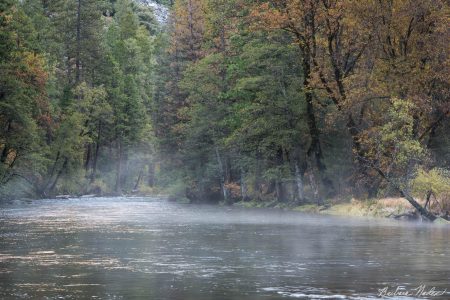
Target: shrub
<point x="436" y="181"/>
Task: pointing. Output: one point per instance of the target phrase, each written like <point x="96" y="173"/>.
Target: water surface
<point x="133" y="248"/>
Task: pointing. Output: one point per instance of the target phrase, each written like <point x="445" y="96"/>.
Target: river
<point x="148" y="248"/>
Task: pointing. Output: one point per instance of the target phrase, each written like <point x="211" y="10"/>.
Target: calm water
<point x="147" y="248"/>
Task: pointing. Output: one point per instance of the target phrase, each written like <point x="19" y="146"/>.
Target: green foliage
<point x="394" y="146"/>
<point x="76" y="93"/>
<point x="24" y="106"/>
<point x="231" y="100"/>
<point x="436" y="180"/>
<point x="397" y="136"/>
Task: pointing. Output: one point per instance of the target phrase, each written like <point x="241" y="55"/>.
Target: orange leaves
<point x="33" y="77"/>
<point x="266" y="17"/>
<point x="36" y="73"/>
<point x="187" y="29"/>
<point x="289" y="15"/>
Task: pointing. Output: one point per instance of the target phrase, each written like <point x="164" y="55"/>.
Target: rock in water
<point x="441" y="221"/>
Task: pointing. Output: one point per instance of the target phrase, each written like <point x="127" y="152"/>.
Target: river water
<point x="148" y="248"/>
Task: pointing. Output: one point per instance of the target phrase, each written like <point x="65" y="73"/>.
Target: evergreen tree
<point x="24" y="109"/>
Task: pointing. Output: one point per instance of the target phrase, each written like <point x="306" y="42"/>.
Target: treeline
<point x="76" y="84"/>
<point x="286" y="100"/>
<point x="303" y="101"/>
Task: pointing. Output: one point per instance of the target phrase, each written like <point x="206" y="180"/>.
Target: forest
<point x="224" y="101"/>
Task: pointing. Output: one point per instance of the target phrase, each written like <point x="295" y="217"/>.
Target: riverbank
<point x="395" y="208"/>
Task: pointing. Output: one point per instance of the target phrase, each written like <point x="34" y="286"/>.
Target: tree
<point x="180" y="48"/>
<point x="24" y="107"/>
<point x="342" y="44"/>
<point x="129" y="46"/>
<point x="395" y="151"/>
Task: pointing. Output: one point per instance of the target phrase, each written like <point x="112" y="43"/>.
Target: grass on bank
<point x="379" y="208"/>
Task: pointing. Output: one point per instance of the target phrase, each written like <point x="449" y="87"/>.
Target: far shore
<point x="394" y="208"/>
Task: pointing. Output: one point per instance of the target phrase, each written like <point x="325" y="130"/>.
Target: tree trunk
<point x="96" y="153"/>
<point x="271" y="187"/>
<point x="222" y="176"/>
<point x="138" y="181"/>
<point x="125" y="168"/>
<point x="299" y="185"/>
<point x="314" y="187"/>
<point x="279" y="190"/>
<point x="119" y="168"/>
<point x="227" y="169"/>
<point x="4" y="154"/>
<point x="428" y="199"/>
<point x="52" y="187"/>
<point x="244" y="193"/>
<point x="78" y="50"/>
<point x="191" y="40"/>
<point x="423" y="211"/>
<point x="94" y="162"/>
<point x="6" y="147"/>
<point x="314" y="152"/>
<point x="257" y="183"/>
<point x="52" y="172"/>
<point x="88" y="158"/>
<point x="151" y="174"/>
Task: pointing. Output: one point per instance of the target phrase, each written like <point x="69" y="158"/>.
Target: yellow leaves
<point x="435" y="180"/>
<point x="7" y="18"/>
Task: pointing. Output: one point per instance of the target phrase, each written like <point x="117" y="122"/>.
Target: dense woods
<point x="228" y="100"/>
<point x="76" y="89"/>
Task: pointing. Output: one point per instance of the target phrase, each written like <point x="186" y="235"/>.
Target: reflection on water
<point x="128" y="248"/>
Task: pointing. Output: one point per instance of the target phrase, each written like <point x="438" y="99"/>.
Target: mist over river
<point x="149" y="248"/>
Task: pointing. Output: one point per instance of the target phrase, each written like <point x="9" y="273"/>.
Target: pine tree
<point x="24" y="108"/>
